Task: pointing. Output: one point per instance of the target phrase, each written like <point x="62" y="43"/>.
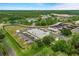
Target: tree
<point x="62" y="46"/>
<point x="43" y="22"/>
<point x="75" y="40"/>
<point x="38" y="23"/>
<point x="47" y="40"/>
<point x="46" y="51"/>
<point x="2" y="36"/>
<point x="47" y="21"/>
<point x="74" y="18"/>
<point x="66" y="32"/>
<point x="59" y="53"/>
<point x="15" y="19"/>
<point x="51" y="21"/>
<point x="39" y="43"/>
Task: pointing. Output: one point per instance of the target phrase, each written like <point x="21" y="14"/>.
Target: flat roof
<point x="38" y="32"/>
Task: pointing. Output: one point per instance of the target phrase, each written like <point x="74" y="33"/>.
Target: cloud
<point x="66" y="6"/>
<point x="42" y="6"/>
<point x="15" y="8"/>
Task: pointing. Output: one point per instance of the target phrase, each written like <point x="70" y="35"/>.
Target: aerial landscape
<point x="39" y="31"/>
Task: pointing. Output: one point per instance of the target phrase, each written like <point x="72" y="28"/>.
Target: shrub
<point x="66" y="32"/>
<point x="47" y="40"/>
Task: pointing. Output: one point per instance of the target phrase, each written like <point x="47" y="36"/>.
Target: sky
<point x="39" y="6"/>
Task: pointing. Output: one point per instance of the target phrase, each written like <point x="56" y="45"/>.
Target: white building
<point x="37" y="33"/>
<point x="31" y="34"/>
<point x="75" y="30"/>
<point x="45" y="16"/>
<point x="77" y="23"/>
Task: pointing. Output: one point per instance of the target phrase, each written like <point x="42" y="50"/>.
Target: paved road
<point x="11" y="52"/>
<point x="0" y="53"/>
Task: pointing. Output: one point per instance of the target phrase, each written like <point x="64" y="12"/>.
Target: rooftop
<point x="30" y="34"/>
<point x="38" y="32"/>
